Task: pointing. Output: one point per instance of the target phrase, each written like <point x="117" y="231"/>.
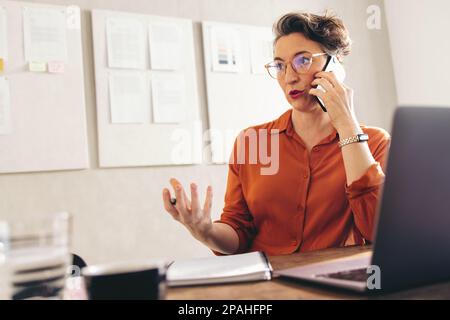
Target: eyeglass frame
<point x="313" y="55"/>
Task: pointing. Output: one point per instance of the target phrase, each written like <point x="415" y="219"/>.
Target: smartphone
<point x="334" y="65"/>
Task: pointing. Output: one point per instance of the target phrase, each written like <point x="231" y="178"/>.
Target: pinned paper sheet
<point x="56" y="67"/>
<point x="261" y="49"/>
<point x="35" y="66"/>
<point x="5" y="108"/>
<point x="225" y="49"/>
<point x="73" y="18"/>
<point x="2" y="65"/>
<point x="44" y="34"/>
<point x="129" y="101"/>
<point x="126" y="43"/>
<point x="165" y="46"/>
<point x="169" y="97"/>
<point x="3" y="35"/>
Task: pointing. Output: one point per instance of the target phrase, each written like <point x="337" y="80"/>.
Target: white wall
<point x="118" y="212"/>
<point x="420" y="43"/>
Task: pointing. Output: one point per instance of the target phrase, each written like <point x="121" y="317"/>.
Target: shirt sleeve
<point x="363" y="193"/>
<point x="235" y="212"/>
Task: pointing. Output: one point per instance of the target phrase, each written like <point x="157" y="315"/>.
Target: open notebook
<point x="223" y="269"/>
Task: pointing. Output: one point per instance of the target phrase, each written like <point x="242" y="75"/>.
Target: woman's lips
<point x="295" y="94"/>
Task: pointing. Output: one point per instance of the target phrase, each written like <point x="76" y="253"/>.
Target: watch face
<point x="363" y="137"/>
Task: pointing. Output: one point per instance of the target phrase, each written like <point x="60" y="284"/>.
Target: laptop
<point x="412" y="239"/>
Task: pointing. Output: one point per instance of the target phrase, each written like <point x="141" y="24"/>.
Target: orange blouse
<point x="306" y="205"/>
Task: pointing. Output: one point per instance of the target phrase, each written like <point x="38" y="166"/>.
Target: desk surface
<point x="283" y="289"/>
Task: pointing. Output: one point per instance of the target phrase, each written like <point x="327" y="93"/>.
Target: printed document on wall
<point x="5" y="107"/>
<point x="169" y="97"/>
<point x="165" y="46"/>
<point x="126" y="43"/>
<point x="44" y="34"/>
<point x="225" y="49"/>
<point x="129" y="101"/>
<point x="261" y="49"/>
<point x="3" y="35"/>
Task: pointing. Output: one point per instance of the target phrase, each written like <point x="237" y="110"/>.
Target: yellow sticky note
<point x="2" y="64"/>
<point x="35" y="66"/>
<point x="56" y="67"/>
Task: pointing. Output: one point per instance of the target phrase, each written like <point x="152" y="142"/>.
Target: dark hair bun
<point x="326" y="29"/>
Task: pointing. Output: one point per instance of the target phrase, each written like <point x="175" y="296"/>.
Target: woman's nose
<point x="291" y="75"/>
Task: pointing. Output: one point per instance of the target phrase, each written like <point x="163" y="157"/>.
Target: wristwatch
<point x="358" y="138"/>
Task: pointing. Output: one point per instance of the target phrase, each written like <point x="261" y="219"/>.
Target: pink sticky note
<point x="56" y="67"/>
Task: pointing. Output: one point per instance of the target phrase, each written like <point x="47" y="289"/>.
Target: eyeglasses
<point x="301" y="64"/>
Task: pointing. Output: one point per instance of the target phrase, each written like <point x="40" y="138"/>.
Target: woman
<point x="325" y="191"/>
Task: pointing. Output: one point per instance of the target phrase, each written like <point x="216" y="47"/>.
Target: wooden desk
<point x="288" y="290"/>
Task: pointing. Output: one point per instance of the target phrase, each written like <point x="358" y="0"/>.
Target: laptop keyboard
<point x="359" y="275"/>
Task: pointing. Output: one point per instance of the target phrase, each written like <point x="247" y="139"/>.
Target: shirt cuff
<point x="243" y="243"/>
<point x="371" y="180"/>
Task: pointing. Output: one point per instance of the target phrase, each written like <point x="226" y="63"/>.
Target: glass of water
<point x="34" y="257"/>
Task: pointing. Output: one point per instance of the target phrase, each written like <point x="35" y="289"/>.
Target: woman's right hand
<point x="188" y="211"/>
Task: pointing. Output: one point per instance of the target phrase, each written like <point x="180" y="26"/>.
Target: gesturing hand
<point x="188" y="211"/>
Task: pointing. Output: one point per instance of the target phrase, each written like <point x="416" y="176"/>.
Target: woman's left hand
<point x="338" y="99"/>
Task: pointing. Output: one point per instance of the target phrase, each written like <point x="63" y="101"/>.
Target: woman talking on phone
<point x="330" y="171"/>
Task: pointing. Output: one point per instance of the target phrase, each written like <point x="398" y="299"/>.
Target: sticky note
<point x="55" y="67"/>
<point x="35" y="66"/>
<point x="2" y="64"/>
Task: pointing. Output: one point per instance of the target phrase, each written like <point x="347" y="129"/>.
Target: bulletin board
<point x="47" y="129"/>
<point x="148" y="143"/>
<point x="237" y="100"/>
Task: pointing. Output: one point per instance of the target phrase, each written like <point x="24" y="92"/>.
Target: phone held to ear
<point x="334" y="65"/>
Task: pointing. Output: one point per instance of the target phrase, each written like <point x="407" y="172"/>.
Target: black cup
<point x="125" y="281"/>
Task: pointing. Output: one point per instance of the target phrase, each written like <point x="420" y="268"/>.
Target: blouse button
<point x="316" y="149"/>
